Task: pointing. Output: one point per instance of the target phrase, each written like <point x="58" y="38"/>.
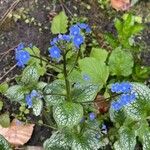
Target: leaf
<point x="59" y="23"/>
<point x="68" y="114"/>
<point x="84" y="92"/>
<point x="4" y="120"/>
<point x="52" y="91"/>
<point x="4" y="145"/>
<point x="143" y="132"/>
<point x="17" y="133"/>
<point x="41" y="85"/>
<point x="30" y="75"/>
<point x="16" y="92"/>
<point x="98" y="72"/>
<point x="3" y="87"/>
<point x="37" y="106"/>
<point x="118" y="25"/>
<point x="127" y="139"/>
<point x="100" y="54"/>
<point x="120" y="62"/>
<point x="120" y="4"/>
<point x="1" y="105"/>
<point x="86" y="141"/>
<point x="57" y="141"/>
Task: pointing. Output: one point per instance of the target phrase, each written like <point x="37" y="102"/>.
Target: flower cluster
<point x="74" y="36"/>
<point x="30" y="97"/>
<point x="22" y="57"/>
<point x="126" y="97"/>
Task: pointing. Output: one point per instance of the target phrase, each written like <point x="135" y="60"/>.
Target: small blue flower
<point x="123" y="87"/>
<point x="92" y="116"/>
<point x="54" y="41"/>
<point x="29" y="100"/>
<point x="86" y="77"/>
<point x="66" y="37"/>
<point x="22" y="57"/>
<point x="21" y="46"/>
<point x="78" y="40"/>
<point x="116" y="106"/>
<point x="88" y="30"/>
<point x="34" y="93"/>
<point x="55" y="52"/>
<point x="74" y="30"/>
<point x="82" y="25"/>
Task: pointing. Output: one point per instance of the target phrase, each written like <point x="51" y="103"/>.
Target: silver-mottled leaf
<point x="68" y="114"/>
<point x="4" y="145"/>
<point x="37" y="106"/>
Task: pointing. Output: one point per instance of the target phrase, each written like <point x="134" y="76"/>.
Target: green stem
<point x="66" y="78"/>
<point x="45" y="61"/>
<point x="75" y="63"/>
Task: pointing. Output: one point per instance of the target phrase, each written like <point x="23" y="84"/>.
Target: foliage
<point x="70" y="98"/>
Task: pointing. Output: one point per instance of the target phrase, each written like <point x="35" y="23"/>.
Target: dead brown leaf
<point x="121" y="4"/>
<point x="17" y="133"/>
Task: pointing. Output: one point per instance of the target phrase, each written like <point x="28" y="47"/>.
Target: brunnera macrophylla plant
<point x="77" y="124"/>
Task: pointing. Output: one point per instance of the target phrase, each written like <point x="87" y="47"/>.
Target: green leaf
<point x="127" y="139"/>
<point x="4" y="145"/>
<point x="68" y="114"/>
<point x="37" y="106"/>
<point x="1" y="105"/>
<point x="41" y="85"/>
<point x="57" y="141"/>
<point x="100" y="54"/>
<point x="118" y="25"/>
<point x="84" y="92"/>
<point x="30" y="75"/>
<point x="143" y="132"/>
<point x="54" y="93"/>
<point x="59" y="23"/>
<point x="3" y="87"/>
<point x="120" y="62"/>
<point x="86" y="141"/>
<point x="98" y="72"/>
<point x="16" y="92"/>
<point x="5" y="120"/>
<point x="137" y="28"/>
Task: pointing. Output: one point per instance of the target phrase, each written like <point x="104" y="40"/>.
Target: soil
<point x="13" y="32"/>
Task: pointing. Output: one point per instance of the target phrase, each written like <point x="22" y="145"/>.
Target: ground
<point x="33" y="27"/>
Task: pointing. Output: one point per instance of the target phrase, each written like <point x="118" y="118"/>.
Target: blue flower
<point x="22" y="57"/>
<point x="92" y="116"/>
<point x="54" y="41"/>
<point x="116" y="106"/>
<point x="74" y="30"/>
<point x="78" y="40"/>
<point x="123" y="87"/>
<point x="55" y="52"/>
<point x="123" y="100"/>
<point x="66" y="37"/>
<point x="30" y="97"/>
<point x="84" y="26"/>
<point x="21" y="46"/>
<point x="29" y="100"/>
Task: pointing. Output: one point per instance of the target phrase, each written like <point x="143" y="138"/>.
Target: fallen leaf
<point x="121" y="4"/>
<point x="17" y="133"/>
<point x="101" y="104"/>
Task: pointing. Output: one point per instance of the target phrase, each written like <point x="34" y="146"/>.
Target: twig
<point x="8" y="11"/>
<point x="13" y="67"/>
<point x="64" y="6"/>
<point x="6" y="52"/>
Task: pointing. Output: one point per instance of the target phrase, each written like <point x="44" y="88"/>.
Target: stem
<point x="66" y="79"/>
<point x="45" y="61"/>
<point x="74" y="62"/>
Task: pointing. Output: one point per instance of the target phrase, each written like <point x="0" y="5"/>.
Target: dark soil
<point x="12" y="33"/>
